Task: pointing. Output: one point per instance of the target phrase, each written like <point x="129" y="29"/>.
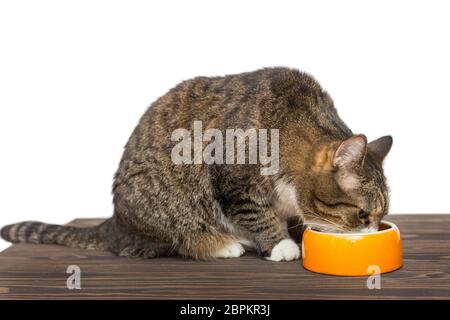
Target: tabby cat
<point x="328" y="178"/>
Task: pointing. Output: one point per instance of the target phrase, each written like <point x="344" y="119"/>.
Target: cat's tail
<point x="38" y="232"/>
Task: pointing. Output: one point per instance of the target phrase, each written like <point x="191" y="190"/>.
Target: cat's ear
<point x="380" y="147"/>
<point x="351" y="152"/>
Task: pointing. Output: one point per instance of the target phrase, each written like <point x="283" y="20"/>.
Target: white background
<point x="76" y="76"/>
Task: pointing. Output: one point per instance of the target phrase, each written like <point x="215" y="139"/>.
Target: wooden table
<point x="39" y="271"/>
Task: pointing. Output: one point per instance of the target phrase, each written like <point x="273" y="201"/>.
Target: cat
<point x="329" y="178"/>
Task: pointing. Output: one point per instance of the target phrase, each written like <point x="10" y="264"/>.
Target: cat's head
<point x="349" y="191"/>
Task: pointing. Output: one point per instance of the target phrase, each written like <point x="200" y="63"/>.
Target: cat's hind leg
<point x="232" y="250"/>
<point x="208" y="245"/>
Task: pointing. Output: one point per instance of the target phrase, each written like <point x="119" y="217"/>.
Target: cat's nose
<point x="364" y="217"/>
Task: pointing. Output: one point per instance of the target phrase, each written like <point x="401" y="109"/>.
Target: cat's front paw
<point x="232" y="250"/>
<point x="285" y="250"/>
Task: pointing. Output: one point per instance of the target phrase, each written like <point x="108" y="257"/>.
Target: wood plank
<point x="39" y="271"/>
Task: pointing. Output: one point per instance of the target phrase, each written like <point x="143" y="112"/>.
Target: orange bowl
<point x="353" y="254"/>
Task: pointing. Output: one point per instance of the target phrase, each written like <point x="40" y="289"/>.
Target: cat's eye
<point x="363" y="215"/>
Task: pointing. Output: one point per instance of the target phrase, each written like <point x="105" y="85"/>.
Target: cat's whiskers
<point x="300" y="222"/>
<point x="324" y="227"/>
<point x="328" y="224"/>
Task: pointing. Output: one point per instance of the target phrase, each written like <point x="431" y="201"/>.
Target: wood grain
<point x="39" y="271"/>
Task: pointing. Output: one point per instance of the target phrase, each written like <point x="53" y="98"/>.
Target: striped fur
<point x="329" y="178"/>
<point x="38" y="232"/>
